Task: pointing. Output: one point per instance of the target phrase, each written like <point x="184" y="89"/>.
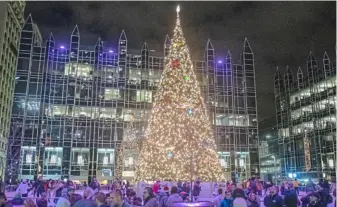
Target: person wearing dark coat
<point x="290" y="198"/>
<point x="42" y="202"/>
<point x="253" y="200"/>
<point x="252" y="185"/>
<point x="3" y="201"/>
<point x="39" y="186"/>
<point x="273" y="200"/>
<point x="85" y="203"/>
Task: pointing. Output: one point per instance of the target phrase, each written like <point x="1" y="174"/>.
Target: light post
<point x="274" y="169"/>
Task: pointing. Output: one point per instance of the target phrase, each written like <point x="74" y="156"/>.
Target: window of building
<point x="144" y="96"/>
<point x="108" y="113"/>
<point x="112" y="94"/>
<point x="78" y="70"/>
<point x="231" y="120"/>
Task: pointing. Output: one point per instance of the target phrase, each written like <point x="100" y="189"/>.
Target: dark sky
<point x="280" y="33"/>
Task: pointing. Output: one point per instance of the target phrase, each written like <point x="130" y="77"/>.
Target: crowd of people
<point x="250" y="193"/>
<point x="285" y="195"/>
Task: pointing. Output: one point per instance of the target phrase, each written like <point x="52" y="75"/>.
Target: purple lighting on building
<point x="62" y="47"/>
<point x="220" y="61"/>
<point x="111" y="51"/>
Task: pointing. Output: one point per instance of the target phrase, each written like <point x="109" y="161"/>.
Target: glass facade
<point x="269" y="151"/>
<point x="306" y="120"/>
<point x="82" y="101"/>
<point x="11" y="20"/>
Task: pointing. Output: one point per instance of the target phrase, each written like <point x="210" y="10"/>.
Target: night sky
<point x="280" y="33"/>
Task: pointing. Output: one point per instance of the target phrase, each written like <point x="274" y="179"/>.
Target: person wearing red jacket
<point x="155" y="187"/>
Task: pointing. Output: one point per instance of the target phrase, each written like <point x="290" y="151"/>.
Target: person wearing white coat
<point x="23" y="189"/>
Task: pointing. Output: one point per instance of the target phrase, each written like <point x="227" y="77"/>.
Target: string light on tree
<point x="179" y="125"/>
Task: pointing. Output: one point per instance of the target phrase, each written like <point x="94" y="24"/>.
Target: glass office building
<point x="11" y="20"/>
<point x="306" y="120"/>
<point x="72" y="106"/>
<point x="269" y="150"/>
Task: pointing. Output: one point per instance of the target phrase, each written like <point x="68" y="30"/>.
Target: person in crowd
<point x="296" y="185"/>
<point x="282" y="188"/>
<point x="3" y="200"/>
<point x="239" y="198"/>
<point x="156" y="187"/>
<point x="311" y="200"/>
<point x="174" y="197"/>
<point x="134" y="200"/>
<point x="38" y="187"/>
<point x="70" y="191"/>
<point x="29" y="203"/>
<point x="23" y="189"/>
<point x="290" y="196"/>
<point x="73" y="197"/>
<point x="63" y="200"/>
<point x="259" y="187"/>
<point x="99" y="199"/>
<point x="310" y="186"/>
<point x="186" y="188"/>
<point x="162" y="196"/>
<point x="149" y="198"/>
<point x="273" y="199"/>
<point x="227" y="201"/>
<point x="85" y="203"/>
<point x="252" y="185"/>
<point x="117" y="199"/>
<point x="268" y="184"/>
<point x="196" y="189"/>
<point x="232" y="187"/>
<point x="42" y="202"/>
<point x="88" y="193"/>
<point x="17" y="200"/>
<point x="109" y="201"/>
<point x="180" y="186"/>
<point x="324" y="196"/>
<point x="253" y="200"/>
<point x="219" y="198"/>
<point x="94" y="185"/>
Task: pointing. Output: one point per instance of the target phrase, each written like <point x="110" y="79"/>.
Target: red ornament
<point x="175" y="63"/>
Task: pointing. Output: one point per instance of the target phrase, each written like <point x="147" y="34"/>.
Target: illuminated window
<point x="111" y="94"/>
<point x="80" y="160"/>
<point x="105" y="160"/>
<point x="78" y="70"/>
<point x="29" y="158"/>
<point x="144" y="96"/>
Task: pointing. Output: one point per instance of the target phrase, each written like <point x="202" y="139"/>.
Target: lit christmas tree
<point x="129" y="148"/>
<point x="179" y="142"/>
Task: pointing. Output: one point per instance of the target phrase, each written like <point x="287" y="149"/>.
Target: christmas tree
<point x="129" y="148"/>
<point x="179" y="142"/>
